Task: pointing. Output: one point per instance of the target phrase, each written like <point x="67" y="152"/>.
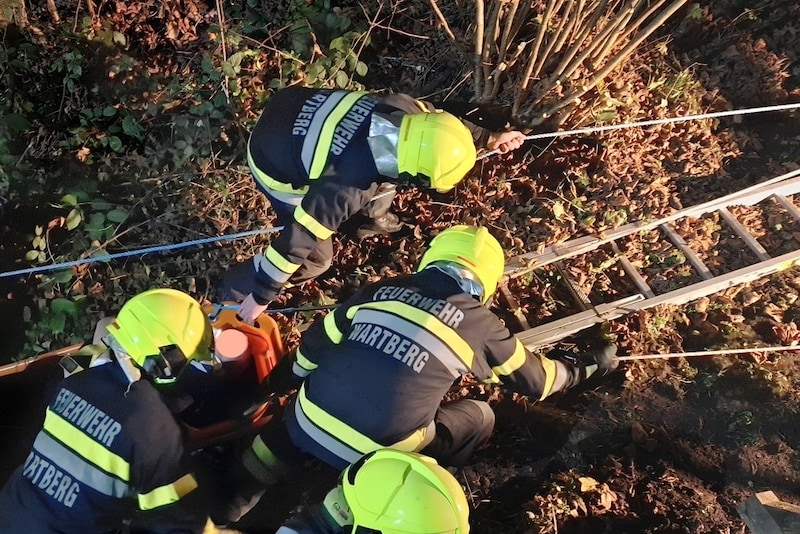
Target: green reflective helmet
<point x="161" y="330"/>
<point x="396" y="492"/>
<point x="474" y="249"/>
<point x="435" y="148"/>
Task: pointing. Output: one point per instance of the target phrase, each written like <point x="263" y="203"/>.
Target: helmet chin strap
<point x="384" y="132"/>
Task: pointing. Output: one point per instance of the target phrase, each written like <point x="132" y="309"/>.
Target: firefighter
<point x="375" y="370"/>
<point x="391" y="492"/>
<point x="322" y="156"/>
<point x="110" y="453"/>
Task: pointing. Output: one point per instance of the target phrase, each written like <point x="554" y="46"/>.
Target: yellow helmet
<point x="396" y="492"/>
<point x="161" y="330"/>
<point x="436" y="146"/>
<point x="472" y="248"/>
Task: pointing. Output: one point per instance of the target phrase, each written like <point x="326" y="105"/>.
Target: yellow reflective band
<point x="269" y="182"/>
<point x="264" y="455"/>
<point x="333" y="332"/>
<point x="494" y="379"/>
<point x="514" y="362"/>
<point x="431" y="324"/>
<point x="281" y="263"/>
<point x="260" y="461"/>
<point x="352" y="437"/>
<point x="311" y="224"/>
<point x="417" y="440"/>
<point x="168" y="494"/>
<point x="87" y="448"/>
<point x="303" y="362"/>
<point x="329" y="424"/>
<point x="326" y="134"/>
<point x="550" y="371"/>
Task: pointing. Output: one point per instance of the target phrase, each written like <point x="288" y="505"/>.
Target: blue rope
<point x="142" y="251"/>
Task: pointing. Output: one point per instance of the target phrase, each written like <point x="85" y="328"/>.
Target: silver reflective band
<point x="383" y="136"/>
<point x="464" y="277"/>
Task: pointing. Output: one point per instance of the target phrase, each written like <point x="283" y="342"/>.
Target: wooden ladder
<point x="644" y="296"/>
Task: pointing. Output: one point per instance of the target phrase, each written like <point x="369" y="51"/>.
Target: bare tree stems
<point x="548" y="54"/>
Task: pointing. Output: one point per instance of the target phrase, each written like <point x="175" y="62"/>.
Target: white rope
<point x="706" y="353"/>
<point x="654" y="122"/>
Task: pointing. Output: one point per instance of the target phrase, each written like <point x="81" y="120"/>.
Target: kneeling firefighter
<point x="374" y="371"/>
<point x="110" y="453"/>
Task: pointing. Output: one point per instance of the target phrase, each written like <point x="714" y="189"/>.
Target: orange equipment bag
<point x="267" y="350"/>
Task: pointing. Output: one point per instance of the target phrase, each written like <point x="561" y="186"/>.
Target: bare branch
<point x="445" y="26"/>
<point x="612" y="63"/>
<point x="478" y="54"/>
<point x="51" y="7"/>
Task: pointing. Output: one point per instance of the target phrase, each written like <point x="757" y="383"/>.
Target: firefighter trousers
<point x="240" y="280"/>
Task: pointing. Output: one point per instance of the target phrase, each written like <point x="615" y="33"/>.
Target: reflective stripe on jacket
<point x="378" y="366"/>
<point x="107" y="451"/>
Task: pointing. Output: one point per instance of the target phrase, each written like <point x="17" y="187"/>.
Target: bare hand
<point x="505" y="142"/>
<point x="249" y="309"/>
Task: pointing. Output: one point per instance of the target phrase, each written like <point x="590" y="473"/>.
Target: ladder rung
<point x="785" y="184"/>
<point x="632" y="272"/>
<point x="512" y="303"/>
<point x="789" y="206"/>
<point x="693" y="258"/>
<point x="561" y="328"/>
<point x="580" y="298"/>
<point x="742" y="232"/>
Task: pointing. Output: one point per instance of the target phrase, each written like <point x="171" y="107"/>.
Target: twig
<point x="221" y="18"/>
<point x="524" y="89"/>
<point x="77" y="12"/>
<point x="445" y="26"/>
<point x="51" y="7"/>
<point x="612" y="63"/>
<point x="488" y="41"/>
<point x="478" y="53"/>
<point x="510" y="30"/>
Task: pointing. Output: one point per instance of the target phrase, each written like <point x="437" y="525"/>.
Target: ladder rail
<point x="785" y="184"/>
<point x="561" y="328"/>
<point x="778" y="188"/>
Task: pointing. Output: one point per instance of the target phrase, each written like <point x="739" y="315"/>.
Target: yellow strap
<point x="316" y="228"/>
<point x="303" y="362"/>
<point x="550" y="371"/>
<point x="333" y="332"/>
<point x="514" y="362"/>
<point x="269" y="182"/>
<point x="167" y="494"/>
<point x="352" y="437"/>
<point x="326" y="134"/>
<point x="86" y="447"/>
<point x="276" y="259"/>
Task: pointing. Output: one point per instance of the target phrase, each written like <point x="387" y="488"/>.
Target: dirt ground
<point x="658" y="446"/>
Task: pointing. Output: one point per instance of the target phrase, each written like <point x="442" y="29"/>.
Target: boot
<point x="388" y="223"/>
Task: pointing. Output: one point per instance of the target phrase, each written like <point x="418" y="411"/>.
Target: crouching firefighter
<point x="110" y="454"/>
<point x="391" y="492"/>
<point x="323" y="156"/>
<point x="375" y="370"/>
